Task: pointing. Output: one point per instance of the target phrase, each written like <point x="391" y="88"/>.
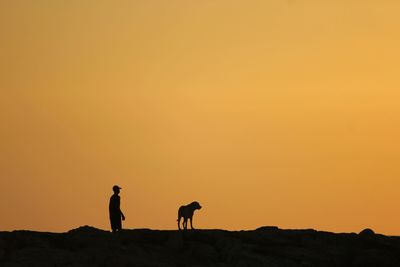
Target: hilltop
<point x="265" y="246"/>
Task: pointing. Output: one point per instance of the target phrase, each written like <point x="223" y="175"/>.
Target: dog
<point x="187" y="213"/>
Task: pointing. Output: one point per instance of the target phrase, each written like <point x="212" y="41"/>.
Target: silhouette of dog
<point x="187" y="213"/>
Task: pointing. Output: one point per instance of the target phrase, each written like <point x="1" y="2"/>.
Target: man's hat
<point x="115" y="187"/>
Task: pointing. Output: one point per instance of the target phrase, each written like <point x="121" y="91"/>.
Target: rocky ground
<point x="266" y="246"/>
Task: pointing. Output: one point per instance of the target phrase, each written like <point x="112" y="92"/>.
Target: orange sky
<point x="272" y="112"/>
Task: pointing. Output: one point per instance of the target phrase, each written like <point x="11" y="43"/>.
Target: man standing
<point x="115" y="212"/>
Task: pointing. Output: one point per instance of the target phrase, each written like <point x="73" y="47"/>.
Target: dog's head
<point x="195" y="205"/>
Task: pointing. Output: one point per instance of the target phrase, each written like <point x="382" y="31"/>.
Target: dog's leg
<point x="191" y="220"/>
<point x="185" y="223"/>
<point x="179" y="223"/>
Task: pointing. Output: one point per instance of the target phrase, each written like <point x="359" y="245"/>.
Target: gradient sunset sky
<point x="268" y="112"/>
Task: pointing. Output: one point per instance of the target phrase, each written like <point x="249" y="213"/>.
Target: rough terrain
<point x="265" y="246"/>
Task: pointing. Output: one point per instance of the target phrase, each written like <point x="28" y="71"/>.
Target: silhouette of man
<point x="115" y="212"/>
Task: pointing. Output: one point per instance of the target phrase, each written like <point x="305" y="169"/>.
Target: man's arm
<point x="120" y="211"/>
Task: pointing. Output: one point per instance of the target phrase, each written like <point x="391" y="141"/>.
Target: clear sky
<point x="270" y="112"/>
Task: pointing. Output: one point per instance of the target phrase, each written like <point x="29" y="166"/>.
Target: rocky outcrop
<point x="266" y="246"/>
<point x="367" y="232"/>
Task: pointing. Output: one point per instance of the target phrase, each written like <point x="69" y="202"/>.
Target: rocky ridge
<point x="265" y="246"/>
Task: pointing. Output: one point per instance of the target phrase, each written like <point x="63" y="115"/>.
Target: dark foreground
<point x="266" y="246"/>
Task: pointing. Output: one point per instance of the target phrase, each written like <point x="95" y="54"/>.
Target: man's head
<point x="116" y="189"/>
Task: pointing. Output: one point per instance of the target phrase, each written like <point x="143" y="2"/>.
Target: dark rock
<point x="266" y="246"/>
<point x="367" y="233"/>
<point x="174" y="242"/>
<point x="204" y="252"/>
<point x="268" y="228"/>
<point x="2" y="248"/>
<point x="229" y="248"/>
